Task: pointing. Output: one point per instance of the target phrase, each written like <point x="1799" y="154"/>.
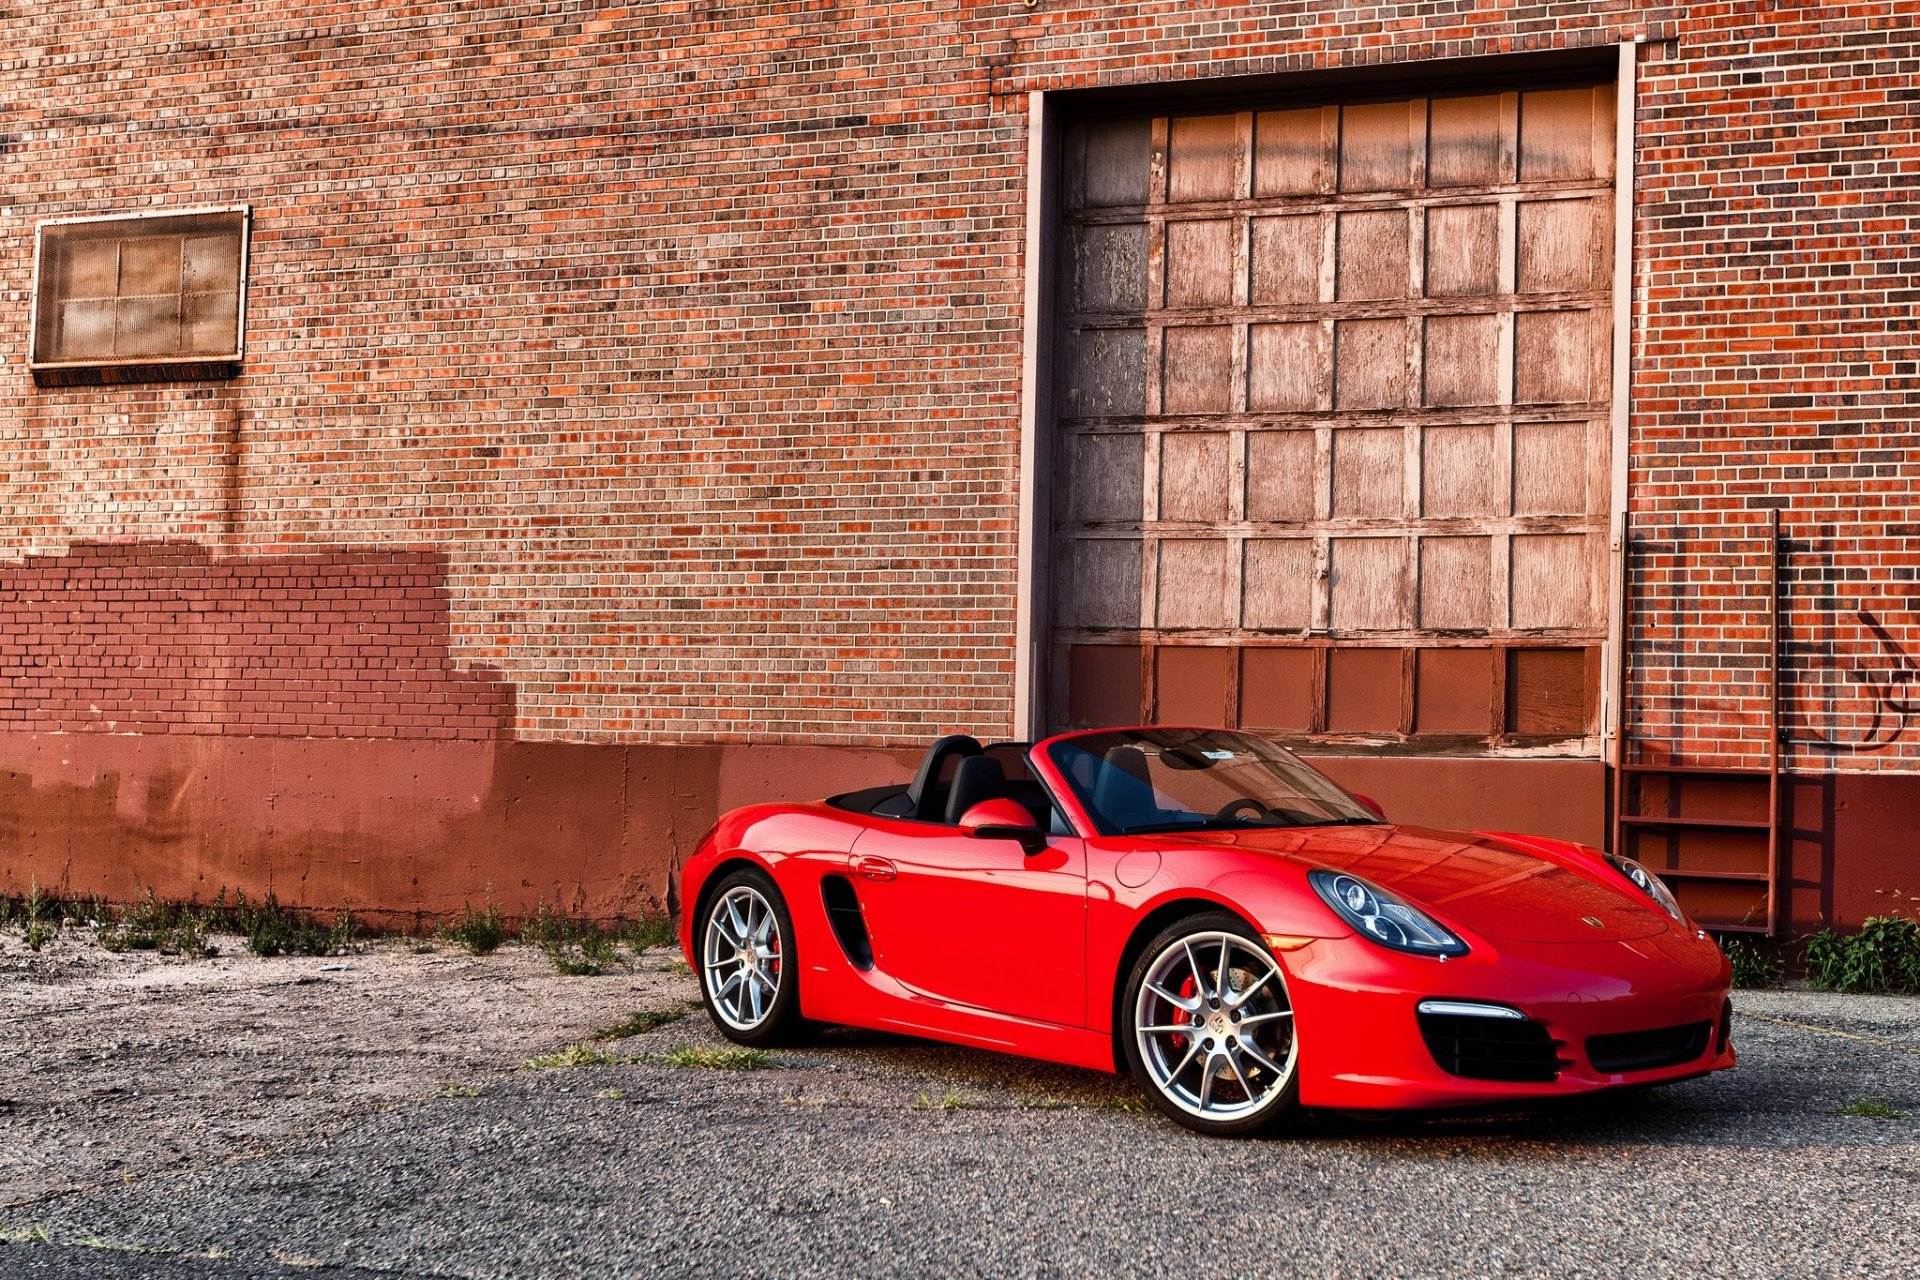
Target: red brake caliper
<point x="1181" y="1016"/>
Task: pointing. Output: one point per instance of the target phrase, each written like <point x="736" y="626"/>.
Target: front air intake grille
<point x="1483" y="1048"/>
<point x="1647" y="1050"/>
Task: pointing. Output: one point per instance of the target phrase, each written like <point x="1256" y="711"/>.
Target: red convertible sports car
<point x="1201" y="908"/>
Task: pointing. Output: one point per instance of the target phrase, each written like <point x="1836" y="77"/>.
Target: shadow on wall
<point x="189" y="722"/>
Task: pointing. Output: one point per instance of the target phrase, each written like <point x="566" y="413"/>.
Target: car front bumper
<point x="1362" y="1045"/>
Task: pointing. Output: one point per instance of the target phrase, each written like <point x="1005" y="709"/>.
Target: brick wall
<point x="685" y="341"/>
<point x="1777" y="244"/>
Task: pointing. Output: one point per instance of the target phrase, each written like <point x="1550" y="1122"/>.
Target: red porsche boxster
<point x="1205" y="910"/>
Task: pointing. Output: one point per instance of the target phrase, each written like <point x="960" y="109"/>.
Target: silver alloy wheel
<point x="741" y="957"/>
<point x="1214" y="1026"/>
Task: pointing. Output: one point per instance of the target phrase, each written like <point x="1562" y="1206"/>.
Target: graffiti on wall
<point x="1884" y="679"/>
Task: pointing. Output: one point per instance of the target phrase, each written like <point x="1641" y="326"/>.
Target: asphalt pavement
<point x="871" y="1155"/>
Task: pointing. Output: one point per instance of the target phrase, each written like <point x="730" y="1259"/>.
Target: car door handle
<point x="875" y="868"/>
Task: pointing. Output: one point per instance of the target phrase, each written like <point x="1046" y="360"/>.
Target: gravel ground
<point x="291" y="1117"/>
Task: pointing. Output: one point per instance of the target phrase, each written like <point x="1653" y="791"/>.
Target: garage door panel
<point x="1369" y="472"/>
<point x="1459" y="473"/>
<point x="1377" y="146"/>
<point x="1465" y="143"/>
<point x="1556" y="246"/>
<point x="1552" y="581"/>
<point x="1107" y="477"/>
<point x="1285" y="259"/>
<point x="1107" y="373"/>
<point x="1370" y="364"/>
<point x="1282" y="481"/>
<point x="1291" y="151"/>
<point x="1552" y="357"/>
<point x="1203" y="158"/>
<point x="1368" y="585"/>
<point x="1277" y="594"/>
<point x="1193" y="583"/>
<point x="1550" y="468"/>
<point x="1105" y="683"/>
<point x="1287" y="366"/>
<point x="1115" y="163"/>
<point x="1461" y="360"/>
<point x="1190" y="685"/>
<point x="1463" y="251"/>
<point x="1200" y="263"/>
<point x="1194" y="476"/>
<point x="1566" y="134"/>
<point x="1334" y="387"/>
<point x="1373" y="255"/>
<point x="1103" y="584"/>
<point x="1456" y="584"/>
<point x="1108" y="267"/>
<point x="1197" y="373"/>
<point x="1277" y="689"/>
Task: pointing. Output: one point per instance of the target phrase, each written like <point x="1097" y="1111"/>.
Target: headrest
<point x="978" y="778"/>
<point x="921" y="792"/>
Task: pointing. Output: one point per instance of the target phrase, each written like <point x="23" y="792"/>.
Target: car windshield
<point x="1136" y="781"/>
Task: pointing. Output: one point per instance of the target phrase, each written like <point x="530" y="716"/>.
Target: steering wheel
<point x="1232" y="807"/>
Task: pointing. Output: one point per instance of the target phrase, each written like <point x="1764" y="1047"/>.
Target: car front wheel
<point x="1209" y="1028"/>
<point x="748" y="976"/>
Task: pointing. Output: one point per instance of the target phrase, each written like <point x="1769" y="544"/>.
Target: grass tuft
<point x="479" y="933"/>
<point x="951" y="1100"/>
<point x="1882" y="958"/>
<point x="171" y="928"/>
<point x="273" y="930"/>
<point x="574" y="1055"/>
<point x="642" y="1022"/>
<point x="1868" y="1109"/>
<point x="1754" y="962"/>
<point x="719" y="1059"/>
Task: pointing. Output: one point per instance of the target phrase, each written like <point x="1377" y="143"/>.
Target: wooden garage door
<point x="1333" y="419"/>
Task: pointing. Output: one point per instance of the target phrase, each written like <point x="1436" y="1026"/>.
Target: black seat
<point x="978" y="778"/>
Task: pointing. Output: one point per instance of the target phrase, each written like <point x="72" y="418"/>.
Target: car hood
<point x="1478" y="882"/>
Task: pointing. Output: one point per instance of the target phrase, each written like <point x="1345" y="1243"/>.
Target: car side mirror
<point x="1372" y="805"/>
<point x="1003" y="820"/>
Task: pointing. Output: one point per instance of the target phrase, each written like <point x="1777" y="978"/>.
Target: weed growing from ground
<point x="574" y="1055"/>
<point x="273" y="930"/>
<point x="1868" y="1109"/>
<point x="580" y="947"/>
<point x="479" y="932"/>
<point x="1883" y="958"/>
<point x="641" y="1022"/>
<point x="951" y="1100"/>
<point x="655" y="929"/>
<point x="1754" y="963"/>
<point x="718" y="1059"/>
<point x="37" y="934"/>
<point x="173" y="928"/>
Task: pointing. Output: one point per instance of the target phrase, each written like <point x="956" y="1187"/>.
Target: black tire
<point x="728" y="1004"/>
<point x="1278" y="1105"/>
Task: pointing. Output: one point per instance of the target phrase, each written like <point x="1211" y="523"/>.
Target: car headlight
<point x="1381" y="917"/>
<point x="1649" y="884"/>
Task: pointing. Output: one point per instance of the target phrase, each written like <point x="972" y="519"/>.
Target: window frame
<point x="199" y="366"/>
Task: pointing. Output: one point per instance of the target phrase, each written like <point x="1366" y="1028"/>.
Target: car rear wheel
<point x="1209" y="1029"/>
<point x="748" y="975"/>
